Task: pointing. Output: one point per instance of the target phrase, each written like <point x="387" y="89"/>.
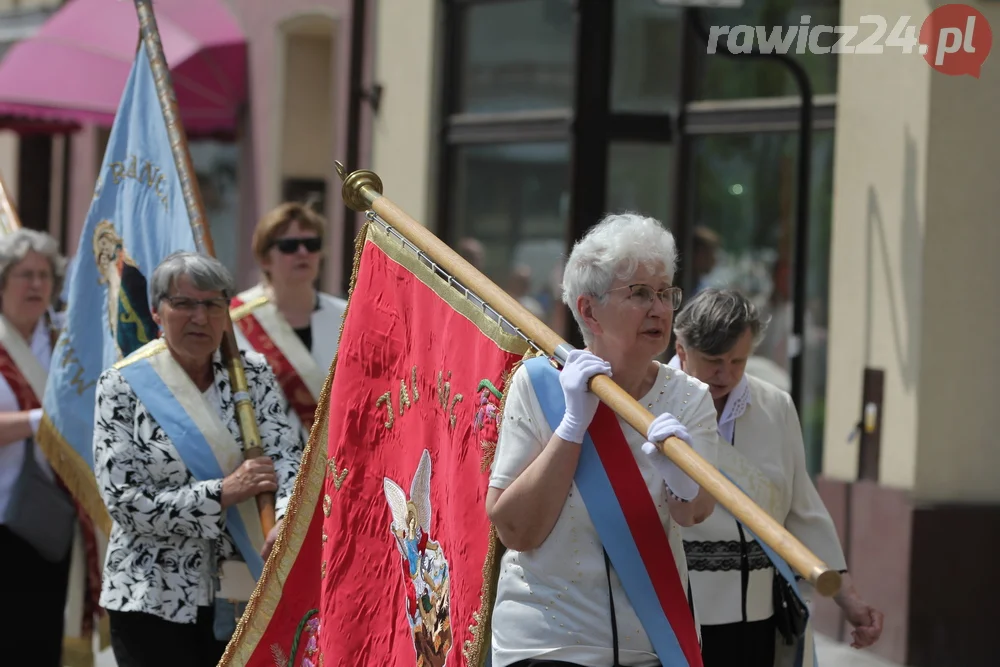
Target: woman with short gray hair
<point x="186" y="542"/>
<point x="38" y="520"/>
<point x="569" y="591"/>
<point x="740" y="597"/>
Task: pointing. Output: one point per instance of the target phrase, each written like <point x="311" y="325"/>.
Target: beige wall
<point x="8" y="161"/>
<point x="878" y="221"/>
<point x="309" y="115"/>
<point x="403" y="131"/>
<point x="958" y="445"/>
<point x="913" y="266"/>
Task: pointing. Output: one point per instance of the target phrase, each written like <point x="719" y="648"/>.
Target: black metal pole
<point x="354" y="110"/>
<point x="801" y="250"/>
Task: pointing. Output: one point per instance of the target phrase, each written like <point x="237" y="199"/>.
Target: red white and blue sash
<point x="628" y="524"/>
<point x="269" y="333"/>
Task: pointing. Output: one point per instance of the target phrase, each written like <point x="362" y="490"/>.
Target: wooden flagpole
<point x="362" y="191"/>
<point x="203" y="239"/>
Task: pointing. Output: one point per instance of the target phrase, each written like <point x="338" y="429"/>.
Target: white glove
<point x="677" y="481"/>
<point x="35" y="419"/>
<point x="581" y="403"/>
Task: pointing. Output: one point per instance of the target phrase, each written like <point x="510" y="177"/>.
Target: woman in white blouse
<point x="733" y="582"/>
<point x="562" y="598"/>
<point x="31" y="272"/>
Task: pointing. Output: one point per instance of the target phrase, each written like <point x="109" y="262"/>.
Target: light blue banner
<point x="137" y="218"/>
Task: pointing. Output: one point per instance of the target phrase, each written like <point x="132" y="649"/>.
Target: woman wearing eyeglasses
<point x="589" y="510"/>
<point x="751" y="616"/>
<point x="295" y="326"/>
<point x="186" y="541"/>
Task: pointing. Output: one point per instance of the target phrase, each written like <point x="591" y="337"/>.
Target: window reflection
<point x="743" y="212"/>
<point x="641" y="179"/>
<point x="646" y="69"/>
<point x="215" y="164"/>
<point x="516" y="56"/>
<point x="720" y="77"/>
<point x="510" y="205"/>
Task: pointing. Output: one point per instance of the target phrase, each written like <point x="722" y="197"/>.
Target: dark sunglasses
<point x="291" y="245"/>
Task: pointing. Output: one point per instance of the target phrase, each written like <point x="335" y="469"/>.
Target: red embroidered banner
<point x="295" y="389"/>
<point x="386" y="556"/>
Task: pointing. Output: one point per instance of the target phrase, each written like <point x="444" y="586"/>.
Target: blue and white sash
<point x="196" y="431"/>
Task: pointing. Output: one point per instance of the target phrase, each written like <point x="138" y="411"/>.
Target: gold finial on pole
<point x="361" y="188"/>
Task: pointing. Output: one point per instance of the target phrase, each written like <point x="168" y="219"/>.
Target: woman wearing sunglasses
<point x="295" y="326"/>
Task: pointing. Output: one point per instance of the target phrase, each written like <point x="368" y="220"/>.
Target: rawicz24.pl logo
<point x="953" y="39"/>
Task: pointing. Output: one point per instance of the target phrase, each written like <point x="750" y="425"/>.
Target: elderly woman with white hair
<point x="186" y="541"/>
<point x="588" y="509"/>
<point x="37" y="516"/>
<point x="749" y="613"/>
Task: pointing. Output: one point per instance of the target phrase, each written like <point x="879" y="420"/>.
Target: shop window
<point x="720" y="77"/>
<point x="742" y="209"/>
<point x="510" y="204"/>
<point x="515" y="56"/>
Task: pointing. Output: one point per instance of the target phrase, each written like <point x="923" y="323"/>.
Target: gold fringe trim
<point x="298" y="514"/>
<point x="476" y="649"/>
<point x="150" y="349"/>
<point x="239" y="312"/>
<point x="78" y="652"/>
<point x="74" y="472"/>
<point x="104" y="630"/>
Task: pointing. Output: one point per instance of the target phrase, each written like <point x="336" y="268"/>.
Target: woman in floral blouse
<point x="176" y="528"/>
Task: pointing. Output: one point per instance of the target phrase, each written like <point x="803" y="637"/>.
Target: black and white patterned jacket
<point x="169" y="528"/>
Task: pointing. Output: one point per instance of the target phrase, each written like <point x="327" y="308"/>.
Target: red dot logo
<point x="955" y="40"/>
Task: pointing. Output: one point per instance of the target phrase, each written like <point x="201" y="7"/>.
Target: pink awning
<point x="74" y="69"/>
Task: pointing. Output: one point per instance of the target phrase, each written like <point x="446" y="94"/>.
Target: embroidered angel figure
<point x="425" y="569"/>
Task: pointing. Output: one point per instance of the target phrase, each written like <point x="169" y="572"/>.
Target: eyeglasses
<point x="289" y="246"/>
<point x="32" y="276"/>
<point x="214" y="307"/>
<point x="642" y="295"/>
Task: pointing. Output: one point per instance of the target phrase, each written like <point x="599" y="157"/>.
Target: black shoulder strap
<point x="614" y="622"/>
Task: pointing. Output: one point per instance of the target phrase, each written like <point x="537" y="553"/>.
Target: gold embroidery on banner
<point x="149" y="175"/>
<point x="327" y="505"/>
<point x="336" y="478"/>
<point x="322" y="570"/>
<point x="474" y="650"/>
<point x="453" y="418"/>
<point x="444" y="389"/>
<point x="404" y="397"/>
<point x="413" y="383"/>
<point x="386" y="398"/>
